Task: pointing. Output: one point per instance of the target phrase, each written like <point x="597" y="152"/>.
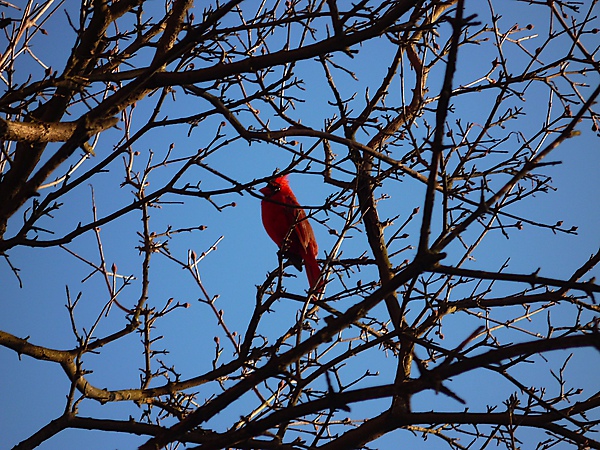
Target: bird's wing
<point x="305" y="233"/>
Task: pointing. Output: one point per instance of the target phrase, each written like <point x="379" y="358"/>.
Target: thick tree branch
<point x="38" y="132"/>
<point x="532" y="279"/>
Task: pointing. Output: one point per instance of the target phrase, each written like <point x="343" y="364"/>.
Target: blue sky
<point x="33" y="392"/>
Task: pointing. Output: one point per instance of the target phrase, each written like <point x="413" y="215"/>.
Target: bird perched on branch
<point x="286" y="223"/>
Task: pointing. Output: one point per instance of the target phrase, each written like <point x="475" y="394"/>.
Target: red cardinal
<point x="286" y="223"/>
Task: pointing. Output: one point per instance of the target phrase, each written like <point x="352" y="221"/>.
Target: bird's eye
<point x="274" y="187"/>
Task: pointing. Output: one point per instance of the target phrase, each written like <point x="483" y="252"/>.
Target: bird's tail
<point x="313" y="273"/>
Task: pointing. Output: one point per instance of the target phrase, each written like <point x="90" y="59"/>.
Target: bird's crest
<point x="275" y="185"/>
<point x="280" y="181"/>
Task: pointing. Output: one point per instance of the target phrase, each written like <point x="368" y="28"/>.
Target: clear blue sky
<point x="33" y="392"/>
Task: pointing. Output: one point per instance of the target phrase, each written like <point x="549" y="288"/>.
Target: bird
<point x="287" y="225"/>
